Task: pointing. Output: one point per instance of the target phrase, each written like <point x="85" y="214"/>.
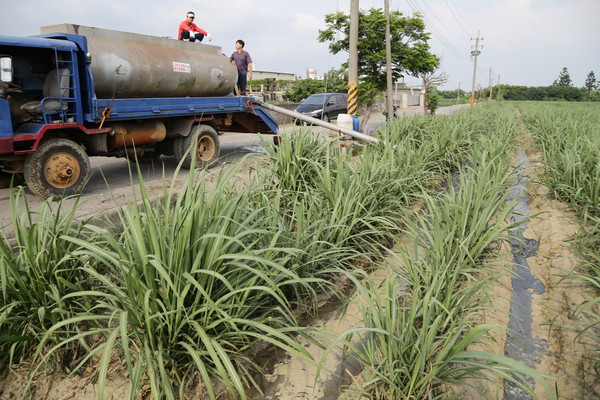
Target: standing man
<point x="243" y="62"/>
<point x="189" y="30"/>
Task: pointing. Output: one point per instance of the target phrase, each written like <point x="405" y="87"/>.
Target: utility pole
<point x="353" y="60"/>
<point x="490" y="83"/>
<point x="388" y="62"/>
<point x="475" y="53"/>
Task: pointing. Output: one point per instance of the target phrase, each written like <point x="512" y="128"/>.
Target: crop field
<point x="459" y="258"/>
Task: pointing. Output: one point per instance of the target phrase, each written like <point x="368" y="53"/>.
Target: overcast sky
<point x="525" y="42"/>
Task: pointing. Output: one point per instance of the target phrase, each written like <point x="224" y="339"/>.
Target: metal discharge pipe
<point x="315" y="121"/>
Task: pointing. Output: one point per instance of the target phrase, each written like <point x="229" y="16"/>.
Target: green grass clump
<point x="589" y="272"/>
<point x="570" y="142"/>
<point x="37" y="277"/>
<point x="190" y="286"/>
<point x="568" y="135"/>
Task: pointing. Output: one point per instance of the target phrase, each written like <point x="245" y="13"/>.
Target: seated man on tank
<point x="190" y="31"/>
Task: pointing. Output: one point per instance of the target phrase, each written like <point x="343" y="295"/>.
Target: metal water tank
<point x="126" y="65"/>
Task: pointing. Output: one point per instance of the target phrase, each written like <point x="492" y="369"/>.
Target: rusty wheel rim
<point x="206" y="148"/>
<point x="62" y="170"/>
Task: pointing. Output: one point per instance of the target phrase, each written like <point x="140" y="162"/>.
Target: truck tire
<point x="207" y="151"/>
<point x="59" y="167"/>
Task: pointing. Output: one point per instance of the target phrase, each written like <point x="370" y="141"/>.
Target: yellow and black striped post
<point x="353" y="97"/>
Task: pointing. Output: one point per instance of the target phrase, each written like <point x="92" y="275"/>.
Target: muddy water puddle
<point x="520" y="343"/>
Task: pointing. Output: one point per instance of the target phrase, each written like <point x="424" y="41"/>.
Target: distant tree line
<point x="561" y="89"/>
<point x="546" y="93"/>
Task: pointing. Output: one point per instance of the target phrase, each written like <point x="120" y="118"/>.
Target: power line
<point x="443" y="24"/>
<point x="456" y="18"/>
<point x="413" y="4"/>
<point x="483" y="71"/>
<point x="437" y="33"/>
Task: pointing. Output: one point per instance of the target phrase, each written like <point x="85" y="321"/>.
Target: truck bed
<point x="126" y="109"/>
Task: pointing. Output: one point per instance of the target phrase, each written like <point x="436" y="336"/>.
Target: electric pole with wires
<point x="353" y="60"/>
<point x="389" y="107"/>
<point x="475" y="52"/>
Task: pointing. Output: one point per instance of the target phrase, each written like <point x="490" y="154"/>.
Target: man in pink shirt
<point x="189" y="30"/>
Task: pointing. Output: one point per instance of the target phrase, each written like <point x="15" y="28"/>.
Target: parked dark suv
<point x="325" y="106"/>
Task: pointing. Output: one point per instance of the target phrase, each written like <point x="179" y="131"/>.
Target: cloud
<point x="526" y="41"/>
<point x="307" y="23"/>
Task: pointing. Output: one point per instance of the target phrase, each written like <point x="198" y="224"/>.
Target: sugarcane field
<point x="317" y="200"/>
<point x="458" y="257"/>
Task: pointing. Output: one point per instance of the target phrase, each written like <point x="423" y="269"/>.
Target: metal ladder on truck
<point x="67" y="93"/>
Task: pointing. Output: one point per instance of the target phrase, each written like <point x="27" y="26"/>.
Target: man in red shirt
<point x="189" y="30"/>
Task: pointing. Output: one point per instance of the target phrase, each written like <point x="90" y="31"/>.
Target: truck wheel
<point x="59" y="167"/>
<point x="207" y="151"/>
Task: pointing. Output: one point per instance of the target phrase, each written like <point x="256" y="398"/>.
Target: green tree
<point x="451" y="94"/>
<point x="590" y="82"/>
<point x="432" y="80"/>
<point x="410" y="50"/>
<point x="564" y="92"/>
<point x="544" y="93"/>
<point x="564" y="79"/>
<point x="335" y="81"/>
<point x="433" y="99"/>
<point x="304" y="88"/>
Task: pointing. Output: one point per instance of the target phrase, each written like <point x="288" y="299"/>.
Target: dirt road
<point x="111" y="181"/>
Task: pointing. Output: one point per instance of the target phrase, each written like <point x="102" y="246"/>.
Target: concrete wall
<point x="406" y="96"/>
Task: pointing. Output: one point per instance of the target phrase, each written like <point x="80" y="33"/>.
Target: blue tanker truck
<point x="75" y="91"/>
